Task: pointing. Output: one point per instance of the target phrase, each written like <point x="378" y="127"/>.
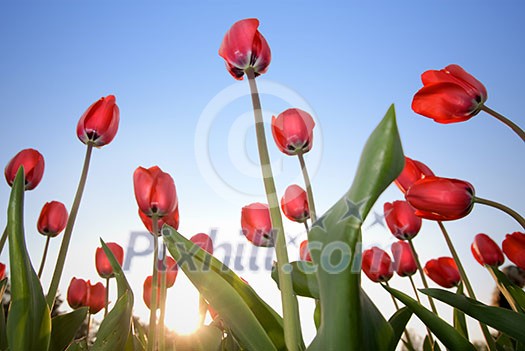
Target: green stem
<point x="505" y="120"/>
<point x="503" y="289"/>
<point x="306" y="227"/>
<point x="292" y="326"/>
<point x="3" y="239"/>
<point x="309" y="193"/>
<point x="153" y="301"/>
<point x="163" y="292"/>
<point x="422" y="275"/>
<point x="488" y="338"/>
<point x="503" y="208"/>
<point x="88" y="327"/>
<point x="44" y="255"/>
<point x="59" y="267"/>
<point x="429" y="333"/>
<point x="107" y="298"/>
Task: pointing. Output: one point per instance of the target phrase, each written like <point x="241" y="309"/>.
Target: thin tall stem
<point x="407" y="335"/>
<point x="422" y="275"/>
<point x="309" y="193"/>
<point x="3" y="239"/>
<point x="306" y="227"/>
<point x="154" y="282"/>
<point x="488" y="338"/>
<point x="292" y="326"/>
<point x="162" y="305"/>
<point x="505" y="120"/>
<point x="88" y="327"/>
<point x="44" y="255"/>
<point x="503" y="208"/>
<point x="107" y="298"/>
<point x="59" y="267"/>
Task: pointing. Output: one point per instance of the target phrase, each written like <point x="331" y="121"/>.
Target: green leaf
<point x="205" y="339"/>
<point x="460" y="322"/>
<point x="80" y="345"/>
<point x="304" y="279"/>
<point x="377" y="333"/>
<point x="255" y="325"/>
<point x="451" y="338"/>
<point x="398" y="323"/>
<point x="115" y="328"/>
<point x="29" y="320"/>
<point x="335" y="239"/>
<point x="516" y="292"/>
<point x="506" y="321"/>
<point x="64" y="328"/>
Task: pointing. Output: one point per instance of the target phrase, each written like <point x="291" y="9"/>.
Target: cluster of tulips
<point x="330" y="260"/>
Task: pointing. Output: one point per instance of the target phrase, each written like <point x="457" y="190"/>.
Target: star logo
<point x="378" y="219"/>
<point x="353" y="210"/>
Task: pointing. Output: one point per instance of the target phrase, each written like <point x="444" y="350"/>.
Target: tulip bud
<point x="292" y="131"/>
<point x="294" y="204"/>
<point x="52" y="219"/>
<point x="441" y="199"/>
<point x="2" y="271"/>
<point x="154" y="191"/>
<point x="404" y="261"/>
<point x="77" y="293"/>
<point x="104" y="268"/>
<point x="33" y="163"/>
<point x="377" y="265"/>
<point x="99" y="124"/>
<point x="412" y="172"/>
<point x="449" y="95"/>
<point x="486" y="251"/>
<point x="304" y="252"/>
<point x="401" y="220"/>
<point x="243" y="47"/>
<point x="203" y="241"/>
<point x="256" y="224"/>
<point x="443" y="271"/>
<point x="96" y="297"/>
<point x="514" y="248"/>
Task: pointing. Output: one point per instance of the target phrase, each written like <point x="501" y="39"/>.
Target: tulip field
<point x="332" y="262"/>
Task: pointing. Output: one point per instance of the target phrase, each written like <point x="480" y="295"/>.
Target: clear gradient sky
<point x="343" y="61"/>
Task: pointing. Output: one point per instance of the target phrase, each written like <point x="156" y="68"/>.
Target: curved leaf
<point x="377" y="333"/>
<point x="449" y="336"/>
<point x="115" y="328"/>
<point x="460" y="322"/>
<point x="64" y="328"/>
<point x="504" y="283"/>
<point x="337" y="235"/>
<point x="29" y="320"/>
<point x="398" y="322"/>
<point x="304" y="279"/>
<point x="506" y="321"/>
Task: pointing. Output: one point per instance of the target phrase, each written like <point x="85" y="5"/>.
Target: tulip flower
<point x="404" y="261"/>
<point x="292" y="131"/>
<point x="203" y="241"/>
<point x="377" y="265"/>
<point x="412" y="172"/>
<point x="401" y="220"/>
<point x="443" y="271"/>
<point x="294" y="204"/>
<point x="99" y="124"/>
<point x="441" y="199"/>
<point x="171" y="219"/>
<point x="514" y="248"/>
<point x="486" y="251"/>
<point x="243" y="47"/>
<point x="2" y="271"/>
<point x="33" y="163"/>
<point x="52" y="219"/>
<point x="102" y="263"/>
<point x="256" y="224"/>
<point x="96" y="298"/>
<point x="304" y="252"/>
<point x="154" y="191"/>
<point x="449" y="95"/>
<point x="77" y="293"/>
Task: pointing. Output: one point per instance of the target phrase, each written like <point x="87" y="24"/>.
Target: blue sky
<point x="345" y="62"/>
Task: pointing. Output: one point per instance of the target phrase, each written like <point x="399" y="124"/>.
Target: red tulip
<point x="2" y="271"/>
<point x="96" y="297"/>
<point x="412" y="172"/>
<point x="449" y="95"/>
<point x="304" y="252"/>
<point x="147" y="290"/>
<point x="514" y="248"/>
<point x="171" y="219"/>
<point x="98" y="125"/>
<point x="77" y="293"/>
<point x="441" y="199"/>
<point x="404" y="261"/>
<point x="377" y="265"/>
<point x="243" y="46"/>
<point x="256" y="224"/>
<point x="292" y="131"/>
<point x="171" y="272"/>
<point x="203" y="241"/>
<point x="33" y="163"/>
<point x="486" y="251"/>
<point x="104" y="268"/>
<point x="294" y="204"/>
<point x="401" y="220"/>
<point x="155" y="191"/>
<point x="52" y="219"/>
<point x="443" y="271"/>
